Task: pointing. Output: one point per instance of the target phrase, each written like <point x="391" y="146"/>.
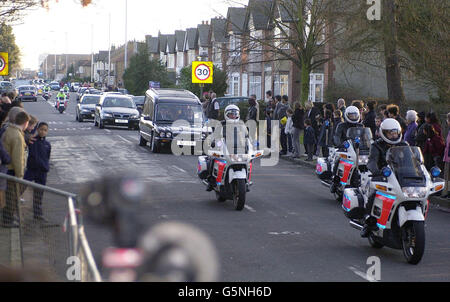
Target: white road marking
<point x="362" y="274"/>
<point x="125" y="140"/>
<point x="179" y="169"/>
<point x="250" y="209"/>
<point x="107" y="130"/>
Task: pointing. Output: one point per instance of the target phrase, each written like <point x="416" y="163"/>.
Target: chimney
<point x="207" y="22"/>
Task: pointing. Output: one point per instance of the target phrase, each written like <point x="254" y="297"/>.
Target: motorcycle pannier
<point x="353" y="204"/>
<point x="202" y="167"/>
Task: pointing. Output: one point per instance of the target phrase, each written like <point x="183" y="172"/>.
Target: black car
<point x="86" y="107"/>
<point x="27" y="93"/>
<point x="139" y="101"/>
<point x="162" y="108"/>
<point x="116" y="110"/>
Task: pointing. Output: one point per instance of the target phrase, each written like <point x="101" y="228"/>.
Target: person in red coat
<point x="434" y="147"/>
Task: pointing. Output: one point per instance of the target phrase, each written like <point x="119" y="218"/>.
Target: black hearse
<point x="164" y="107"/>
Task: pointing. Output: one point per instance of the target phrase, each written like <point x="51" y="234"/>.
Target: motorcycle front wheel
<point x="239" y="192"/>
<point x="413" y="241"/>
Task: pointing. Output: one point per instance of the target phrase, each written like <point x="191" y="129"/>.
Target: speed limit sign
<point x="202" y="72"/>
<point x="3" y="63"/>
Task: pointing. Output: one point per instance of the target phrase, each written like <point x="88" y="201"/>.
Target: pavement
<point x="291" y="230"/>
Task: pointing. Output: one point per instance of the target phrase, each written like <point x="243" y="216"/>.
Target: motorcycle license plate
<point x="27" y="93"/>
<point x="186" y="143"/>
<point x="121" y="121"/>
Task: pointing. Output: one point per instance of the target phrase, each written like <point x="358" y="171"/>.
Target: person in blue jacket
<point x="38" y="165"/>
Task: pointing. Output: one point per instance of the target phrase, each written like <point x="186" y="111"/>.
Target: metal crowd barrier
<point x="55" y="245"/>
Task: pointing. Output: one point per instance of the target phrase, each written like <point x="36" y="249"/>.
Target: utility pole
<point x="109" y="52"/>
<point x="126" y="36"/>
<point x="92" y="53"/>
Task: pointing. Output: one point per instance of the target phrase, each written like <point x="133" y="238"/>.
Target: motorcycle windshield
<point x="364" y="135"/>
<point x="406" y="163"/>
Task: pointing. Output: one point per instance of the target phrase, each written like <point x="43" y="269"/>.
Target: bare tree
<point x="308" y="33"/>
<point x="14" y="10"/>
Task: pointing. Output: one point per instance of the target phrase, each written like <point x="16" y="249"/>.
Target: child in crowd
<point x="30" y="136"/>
<point x="38" y="166"/>
<point x="289" y="130"/>
<point x="309" y="139"/>
<point x="378" y="120"/>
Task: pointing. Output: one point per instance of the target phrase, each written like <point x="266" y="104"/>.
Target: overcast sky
<point x="44" y="31"/>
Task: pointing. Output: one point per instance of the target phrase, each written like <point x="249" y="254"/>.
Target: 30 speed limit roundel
<point x="202" y="72"/>
<point x="3" y="63"/>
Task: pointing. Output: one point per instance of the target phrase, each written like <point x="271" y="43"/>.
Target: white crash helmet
<point x="391" y="131"/>
<point x="232" y="113"/>
<point x="352" y="115"/>
<point x="61" y="90"/>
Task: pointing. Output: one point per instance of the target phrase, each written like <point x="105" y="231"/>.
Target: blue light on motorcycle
<point x="346" y="145"/>
<point x="357" y="140"/>
<point x="435" y="171"/>
<point x="386" y="172"/>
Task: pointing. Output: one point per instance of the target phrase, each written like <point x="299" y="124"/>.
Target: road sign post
<point x="4" y="64"/>
<point x="202" y="73"/>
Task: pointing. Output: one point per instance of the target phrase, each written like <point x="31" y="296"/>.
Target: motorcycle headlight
<point x="414" y="192"/>
<point x="363" y="160"/>
<point x="239" y="157"/>
<point x="168" y="134"/>
<point x="162" y="134"/>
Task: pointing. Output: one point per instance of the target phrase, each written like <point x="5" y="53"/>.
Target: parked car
<point x="86" y="107"/>
<point x="6" y="87"/>
<point x="80" y="92"/>
<point x="162" y="108"/>
<point x="74" y="87"/>
<point x="122" y="91"/>
<point x="139" y="101"/>
<point x="27" y="93"/>
<point x="231" y="100"/>
<point x="116" y="110"/>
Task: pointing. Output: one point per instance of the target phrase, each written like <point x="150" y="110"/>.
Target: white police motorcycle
<point x="401" y="202"/>
<point x="352" y="161"/>
<point x="232" y="161"/>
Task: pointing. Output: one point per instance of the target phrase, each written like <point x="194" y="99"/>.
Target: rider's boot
<point x="369" y="226"/>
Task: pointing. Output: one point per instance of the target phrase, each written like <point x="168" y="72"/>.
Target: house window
<point x="235" y="84"/>
<point x="255" y="86"/>
<point x="171" y="61"/>
<point x="316" y="86"/>
<point x="281" y="84"/>
<point x="244" y="84"/>
<point x="235" y="45"/>
<point x="180" y="59"/>
<point x="281" y="34"/>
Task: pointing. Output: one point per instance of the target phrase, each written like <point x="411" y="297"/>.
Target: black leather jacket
<point x="341" y="132"/>
<point x="377" y="157"/>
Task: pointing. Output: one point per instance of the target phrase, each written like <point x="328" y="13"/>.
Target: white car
<point x="74" y="87"/>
